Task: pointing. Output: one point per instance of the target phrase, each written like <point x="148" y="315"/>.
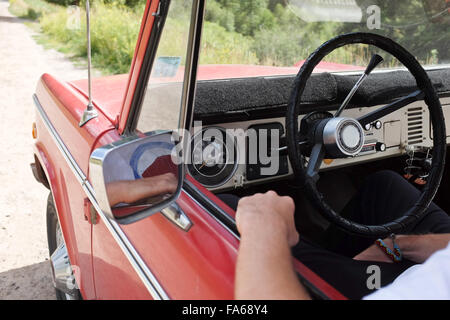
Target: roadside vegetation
<point x="113" y="34"/>
<point x="263" y="32"/>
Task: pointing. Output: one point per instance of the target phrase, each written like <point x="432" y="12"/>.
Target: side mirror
<point x="137" y="176"/>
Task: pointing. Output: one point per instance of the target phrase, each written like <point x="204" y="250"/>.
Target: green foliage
<point x="64" y="2"/>
<point x="220" y="15"/>
<point x="30" y="9"/>
<point x="262" y="32"/>
<point x="407" y="23"/>
<point x="114" y="33"/>
<point x="128" y="3"/>
<point x="134" y="3"/>
<point x="278" y="37"/>
<point x="220" y="46"/>
<point x="247" y="16"/>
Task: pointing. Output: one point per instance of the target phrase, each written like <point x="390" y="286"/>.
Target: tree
<point x="407" y="23"/>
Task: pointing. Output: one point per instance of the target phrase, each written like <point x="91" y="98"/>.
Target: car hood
<point x="108" y="92"/>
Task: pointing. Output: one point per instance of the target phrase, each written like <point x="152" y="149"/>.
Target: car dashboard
<point x="393" y="135"/>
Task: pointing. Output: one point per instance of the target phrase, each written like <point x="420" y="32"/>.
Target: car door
<point x="157" y="257"/>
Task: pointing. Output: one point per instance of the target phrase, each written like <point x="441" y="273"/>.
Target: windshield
<point x="273" y="37"/>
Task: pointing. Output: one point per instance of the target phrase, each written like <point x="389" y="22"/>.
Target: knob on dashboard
<point x="380" y="146"/>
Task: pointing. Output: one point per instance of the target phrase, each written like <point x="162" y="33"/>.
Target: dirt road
<point x="24" y="265"/>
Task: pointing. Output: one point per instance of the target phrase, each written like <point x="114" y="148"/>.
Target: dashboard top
<point x="266" y="97"/>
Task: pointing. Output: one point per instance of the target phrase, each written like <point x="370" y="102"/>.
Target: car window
<point x="247" y="38"/>
<point x="162" y="100"/>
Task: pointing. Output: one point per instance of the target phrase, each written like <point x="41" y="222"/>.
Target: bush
<point x="216" y="13"/>
<point x="114" y="33"/>
<point x="64" y="2"/>
<point x="222" y="47"/>
<point x="30" y="9"/>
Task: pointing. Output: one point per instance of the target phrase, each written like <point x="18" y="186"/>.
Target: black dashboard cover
<point x="262" y="97"/>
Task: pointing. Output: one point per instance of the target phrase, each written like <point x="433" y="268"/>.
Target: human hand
<point x="267" y="215"/>
<point x="375" y="253"/>
<point x="135" y="190"/>
<point x="165" y="183"/>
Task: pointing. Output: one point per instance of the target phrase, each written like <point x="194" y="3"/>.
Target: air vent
<point x="415" y="125"/>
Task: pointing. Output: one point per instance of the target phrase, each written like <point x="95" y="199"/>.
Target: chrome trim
<point x="144" y="273"/>
<point x="176" y="215"/>
<point x="191" y="66"/>
<point x="235" y="162"/>
<point x="97" y="178"/>
<point x="190" y="75"/>
<point x="62" y="274"/>
<point x="333" y="137"/>
<point x="89" y="113"/>
<point x="216" y="208"/>
<point x="350" y="95"/>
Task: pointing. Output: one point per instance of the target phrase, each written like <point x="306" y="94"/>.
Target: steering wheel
<point x="336" y="137"/>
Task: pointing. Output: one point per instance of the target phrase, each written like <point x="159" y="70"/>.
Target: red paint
<point x="324" y="66"/>
<point x="143" y="39"/>
<point x="108" y="92"/>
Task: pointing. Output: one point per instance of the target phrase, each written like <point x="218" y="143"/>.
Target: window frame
<point x="190" y="74"/>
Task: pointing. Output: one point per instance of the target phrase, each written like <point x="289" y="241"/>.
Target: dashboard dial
<point x="213" y="157"/>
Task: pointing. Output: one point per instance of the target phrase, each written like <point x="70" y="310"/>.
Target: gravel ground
<point x="24" y="265"/>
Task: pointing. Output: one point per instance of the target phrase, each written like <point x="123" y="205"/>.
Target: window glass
<point x="162" y="101"/>
<point x="245" y="38"/>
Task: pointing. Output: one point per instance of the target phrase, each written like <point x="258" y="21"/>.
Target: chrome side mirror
<point x="136" y="177"/>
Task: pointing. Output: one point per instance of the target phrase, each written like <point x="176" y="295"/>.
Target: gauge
<point x="213" y="157"/>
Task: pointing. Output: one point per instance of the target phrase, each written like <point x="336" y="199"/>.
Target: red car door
<point x="154" y="257"/>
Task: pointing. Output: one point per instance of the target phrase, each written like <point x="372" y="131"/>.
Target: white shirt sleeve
<point x="427" y="281"/>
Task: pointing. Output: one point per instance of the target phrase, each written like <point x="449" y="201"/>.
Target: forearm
<point x="419" y="248"/>
<point x="265" y="270"/>
<point x="135" y="190"/>
<point x="115" y="192"/>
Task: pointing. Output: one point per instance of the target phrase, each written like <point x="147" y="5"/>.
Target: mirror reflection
<point x="141" y="175"/>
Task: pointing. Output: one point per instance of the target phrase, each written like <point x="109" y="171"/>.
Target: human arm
<point x="417" y="248"/>
<point x="427" y="281"/>
<point x="265" y="268"/>
<point x="130" y="191"/>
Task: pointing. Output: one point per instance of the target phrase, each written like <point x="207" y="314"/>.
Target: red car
<point x="136" y="208"/>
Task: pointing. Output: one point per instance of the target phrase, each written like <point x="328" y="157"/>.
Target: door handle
<point x="177" y="216"/>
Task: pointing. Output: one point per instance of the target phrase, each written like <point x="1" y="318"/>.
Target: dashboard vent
<point x="415" y="125"/>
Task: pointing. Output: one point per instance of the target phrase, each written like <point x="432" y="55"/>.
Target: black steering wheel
<point x="340" y="137"/>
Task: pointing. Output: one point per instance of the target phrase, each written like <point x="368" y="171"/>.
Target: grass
<point x="115" y="27"/>
<point x="30" y="9"/>
<point x="114" y="31"/>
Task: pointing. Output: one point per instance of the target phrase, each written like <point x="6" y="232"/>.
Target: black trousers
<point x="383" y="197"/>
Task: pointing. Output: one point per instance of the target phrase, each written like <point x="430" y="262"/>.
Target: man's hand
<point x="129" y="191"/>
<point x="263" y="215"/>
<point x="264" y="268"/>
<point x="417" y="248"/>
<point x="374" y="253"/>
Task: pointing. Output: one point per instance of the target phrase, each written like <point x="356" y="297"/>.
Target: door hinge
<point x="90" y="214"/>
